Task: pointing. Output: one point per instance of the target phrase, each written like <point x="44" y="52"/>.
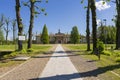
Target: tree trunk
<point x="94" y="25"/>
<point x="118" y="25"/>
<point x="14" y="29"/>
<point x="6" y="37"/>
<point x="88" y="30"/>
<point x="19" y="22"/>
<point x="31" y="24"/>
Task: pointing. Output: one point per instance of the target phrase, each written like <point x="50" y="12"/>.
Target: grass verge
<point x="36" y="49"/>
<point x="110" y="69"/>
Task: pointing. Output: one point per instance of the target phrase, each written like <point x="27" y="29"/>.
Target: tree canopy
<point x="45" y="36"/>
<point x="75" y="37"/>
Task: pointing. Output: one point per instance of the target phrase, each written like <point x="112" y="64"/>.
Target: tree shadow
<point x="92" y="73"/>
<point x="47" y="56"/>
<point x="69" y="53"/>
<point x="60" y="77"/>
<point x="2" y="53"/>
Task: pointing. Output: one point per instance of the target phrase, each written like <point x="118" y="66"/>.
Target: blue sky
<point x="62" y="14"/>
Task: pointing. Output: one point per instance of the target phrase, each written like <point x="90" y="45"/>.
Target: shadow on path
<point x="58" y="52"/>
<point x="60" y="77"/>
<point x="92" y="73"/>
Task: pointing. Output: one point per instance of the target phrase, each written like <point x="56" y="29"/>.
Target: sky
<point x="62" y="14"/>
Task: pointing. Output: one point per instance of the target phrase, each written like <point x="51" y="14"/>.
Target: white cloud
<point x="100" y="6"/>
<point x="98" y="21"/>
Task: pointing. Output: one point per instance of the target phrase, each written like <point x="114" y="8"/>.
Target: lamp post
<point x="105" y="33"/>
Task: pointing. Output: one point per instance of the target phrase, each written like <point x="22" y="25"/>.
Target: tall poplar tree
<point x="19" y="23"/>
<point x="6" y="29"/>
<point x="87" y="27"/>
<point x="33" y="12"/>
<point x="74" y="37"/>
<point x="118" y="24"/>
<point x="94" y="25"/>
<point x="45" y="36"/>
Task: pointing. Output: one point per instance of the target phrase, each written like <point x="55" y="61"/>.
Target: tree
<point x="1" y="36"/>
<point x="118" y="24"/>
<point x="107" y="34"/>
<point x="94" y="25"/>
<point x="87" y="28"/>
<point x="33" y="12"/>
<point x="74" y="37"/>
<point x="7" y="30"/>
<point x="45" y="36"/>
<point x="19" y="23"/>
<point x="1" y="31"/>
<point x="14" y="28"/>
<point x="1" y="21"/>
<point x="101" y="32"/>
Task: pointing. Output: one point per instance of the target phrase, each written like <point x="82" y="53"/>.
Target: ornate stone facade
<point x="58" y="38"/>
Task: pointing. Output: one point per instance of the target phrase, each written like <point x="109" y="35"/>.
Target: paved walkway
<point x="60" y="67"/>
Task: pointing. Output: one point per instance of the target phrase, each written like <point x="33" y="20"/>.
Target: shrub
<point x="30" y="50"/>
<point x="23" y="51"/>
<point x="106" y="53"/>
<point x="117" y="54"/>
<point x="6" y="56"/>
<point x="100" y="46"/>
<point x="118" y="59"/>
<point x="13" y="54"/>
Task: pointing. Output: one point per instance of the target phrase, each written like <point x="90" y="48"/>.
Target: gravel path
<point x="60" y="67"/>
<point x="28" y="70"/>
<point x="86" y="68"/>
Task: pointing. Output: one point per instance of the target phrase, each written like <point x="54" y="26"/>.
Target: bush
<point x="30" y="50"/>
<point x="100" y="46"/>
<point x="13" y="54"/>
<point x="118" y="59"/>
<point x="117" y="54"/>
<point x="23" y="51"/>
<point x="106" y="53"/>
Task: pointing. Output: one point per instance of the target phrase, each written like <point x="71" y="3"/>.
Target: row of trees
<point x="5" y="27"/>
<point x="107" y="34"/>
<point x="34" y="10"/>
<point x="74" y="36"/>
<point x="91" y="6"/>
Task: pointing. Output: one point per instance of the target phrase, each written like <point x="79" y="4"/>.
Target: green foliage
<point x="1" y="35"/>
<point x="13" y="54"/>
<point x="42" y="9"/>
<point x="30" y="50"/>
<point x="106" y="53"/>
<point x="36" y="13"/>
<point x="107" y="34"/>
<point x="45" y="36"/>
<point x="117" y="54"/>
<point x="118" y="59"/>
<point x="46" y="1"/>
<point x="100" y="46"/>
<point x="74" y="37"/>
<point x="45" y="14"/>
<point x="23" y="51"/>
<point x="82" y="1"/>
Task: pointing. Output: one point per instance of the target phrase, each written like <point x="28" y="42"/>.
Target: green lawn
<point x="8" y="47"/>
<point x="107" y="62"/>
<point x="37" y="49"/>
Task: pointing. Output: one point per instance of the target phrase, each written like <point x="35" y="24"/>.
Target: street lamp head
<point x="104" y="20"/>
